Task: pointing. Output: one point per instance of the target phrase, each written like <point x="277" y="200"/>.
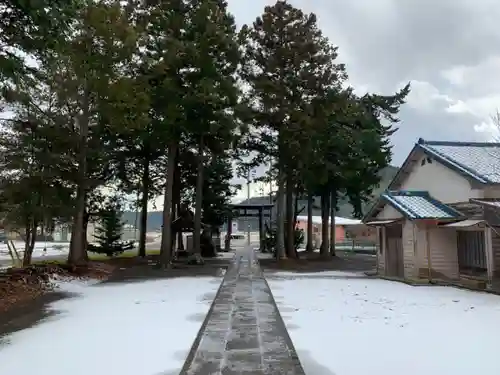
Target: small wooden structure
<point x="248" y="210"/>
<point x="185" y="223"/>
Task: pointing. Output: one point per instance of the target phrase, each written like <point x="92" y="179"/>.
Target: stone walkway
<point x="243" y="332"/>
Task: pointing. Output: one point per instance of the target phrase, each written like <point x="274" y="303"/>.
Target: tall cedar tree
<point x="376" y="116"/>
<point x="32" y="195"/>
<point x="35" y="157"/>
<point x="195" y="90"/>
<point x="43" y="26"/>
<point x="288" y="63"/>
<point x="217" y="191"/>
<point x="348" y="164"/>
<point x="217" y="187"/>
<point x="326" y="155"/>
<point x="29" y="190"/>
<point x="138" y="154"/>
<point x="212" y="91"/>
<point x="167" y="56"/>
<point x="95" y="99"/>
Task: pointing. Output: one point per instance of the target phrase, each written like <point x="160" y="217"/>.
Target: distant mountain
<point x="154" y="219"/>
<point x="345" y="209"/>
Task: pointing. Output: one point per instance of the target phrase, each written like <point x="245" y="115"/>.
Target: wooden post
<point x="490" y="262"/>
<point x="227" y="242"/>
<point x="378" y="246"/>
<point x="383" y="248"/>
<point x="261" y="229"/>
<point x="428" y="248"/>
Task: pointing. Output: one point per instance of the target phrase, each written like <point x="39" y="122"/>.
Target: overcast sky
<point x="448" y="49"/>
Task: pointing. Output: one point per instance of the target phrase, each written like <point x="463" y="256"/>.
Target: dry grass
<point x="101" y="257"/>
<point x="27" y="283"/>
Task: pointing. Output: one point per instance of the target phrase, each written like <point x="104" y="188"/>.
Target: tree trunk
<point x="325" y="214"/>
<point x="180" y="239"/>
<point x="177" y="199"/>
<point x="290" y="216"/>
<point x="333" y="208"/>
<point x="176" y="202"/>
<point x="86" y="219"/>
<point x="280" y="217"/>
<point x="295" y="208"/>
<point x="310" y="234"/>
<point x="173" y="216"/>
<point x="29" y="244"/>
<point x="198" y="203"/>
<point x="143" y="222"/>
<point x="166" y="232"/>
<point x="295" y="214"/>
<point x="77" y="254"/>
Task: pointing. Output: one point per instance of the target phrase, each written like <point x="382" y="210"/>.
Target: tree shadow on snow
<point x="30" y="313"/>
<point x="197" y="318"/>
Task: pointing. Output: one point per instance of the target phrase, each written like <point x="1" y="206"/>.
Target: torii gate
<point x="248" y="210"/>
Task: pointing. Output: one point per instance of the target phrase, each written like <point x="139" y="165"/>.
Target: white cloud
<point x="475" y="87"/>
<point x="480" y="107"/>
<point x="479" y="77"/>
<point x="489" y="130"/>
<point x="459" y="107"/>
<point x="425" y="96"/>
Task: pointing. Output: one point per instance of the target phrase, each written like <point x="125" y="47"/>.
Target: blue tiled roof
<point x="480" y="161"/>
<point x="419" y="205"/>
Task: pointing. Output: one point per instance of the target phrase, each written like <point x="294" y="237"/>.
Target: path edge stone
<point x="201" y="331"/>
<point x="288" y="339"/>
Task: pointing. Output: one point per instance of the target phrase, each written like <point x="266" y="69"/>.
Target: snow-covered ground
<point x="355" y="326"/>
<point x="133" y="329"/>
<point x="49" y="250"/>
<point x="54" y="250"/>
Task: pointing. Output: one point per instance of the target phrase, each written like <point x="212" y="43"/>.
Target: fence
<point x="357" y="246"/>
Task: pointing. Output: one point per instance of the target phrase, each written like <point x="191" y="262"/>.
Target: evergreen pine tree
<point x="109" y="232"/>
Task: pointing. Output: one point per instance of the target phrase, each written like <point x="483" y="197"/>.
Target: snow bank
<point x="51" y="249"/>
<point x="378" y="327"/>
<point x="133" y="329"/>
<point x="72" y="285"/>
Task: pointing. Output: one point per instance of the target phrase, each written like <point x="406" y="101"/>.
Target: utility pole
<point x="248" y="201"/>
<point x="270" y="180"/>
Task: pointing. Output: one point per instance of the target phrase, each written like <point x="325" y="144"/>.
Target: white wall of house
<point x="492" y="192"/>
<point x="389" y="212"/>
<point x="448" y="186"/>
<point x="443" y="249"/>
<point x="441" y="182"/>
<point x="381" y="250"/>
<point x="409" y="243"/>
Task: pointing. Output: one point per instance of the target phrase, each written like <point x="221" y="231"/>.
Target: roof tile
<point x="420" y="205"/>
<point x="479" y="160"/>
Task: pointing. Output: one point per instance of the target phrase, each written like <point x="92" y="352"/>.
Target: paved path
<point x="243" y="332"/>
